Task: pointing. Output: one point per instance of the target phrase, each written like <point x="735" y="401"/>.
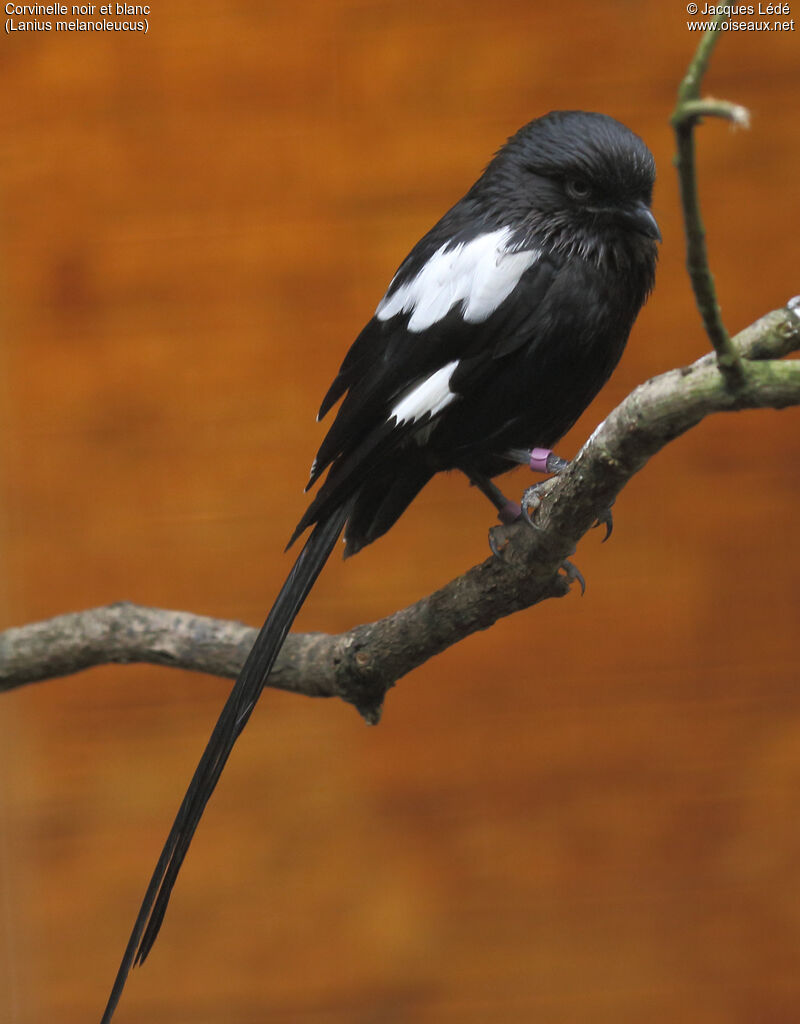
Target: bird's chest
<point x="577" y="337"/>
<point x="573" y="340"/>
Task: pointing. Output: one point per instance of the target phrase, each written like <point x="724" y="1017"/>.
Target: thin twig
<point x="710" y="107"/>
<point x="689" y="110"/>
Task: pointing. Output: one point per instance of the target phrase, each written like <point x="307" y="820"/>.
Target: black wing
<point x="368" y="448"/>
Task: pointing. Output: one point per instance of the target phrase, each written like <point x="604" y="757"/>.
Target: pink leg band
<point x="538" y="461"/>
<point x="509" y="513"/>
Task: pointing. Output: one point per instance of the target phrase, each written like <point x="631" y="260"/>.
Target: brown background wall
<point x="587" y="814"/>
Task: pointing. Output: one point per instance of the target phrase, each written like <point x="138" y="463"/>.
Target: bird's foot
<point x="532" y="499"/>
<point x="539" y="460"/>
<point x="510" y="512"/>
<point x="543" y="460"/>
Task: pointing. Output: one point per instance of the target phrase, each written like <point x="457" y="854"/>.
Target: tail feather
<point x="382" y="499"/>
<point x="230" y="724"/>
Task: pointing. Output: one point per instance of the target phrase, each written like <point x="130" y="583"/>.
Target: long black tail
<point x="232" y="720"/>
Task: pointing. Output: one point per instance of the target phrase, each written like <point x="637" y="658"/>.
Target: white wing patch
<point x="481" y="274"/>
<point x="431" y="396"/>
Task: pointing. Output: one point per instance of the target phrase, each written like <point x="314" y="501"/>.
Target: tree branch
<point x="690" y="108"/>
<point x="361" y="665"/>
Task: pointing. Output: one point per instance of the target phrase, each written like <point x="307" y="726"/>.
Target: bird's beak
<point x="639" y="217"/>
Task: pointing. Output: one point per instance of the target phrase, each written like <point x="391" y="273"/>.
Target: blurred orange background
<point x="588" y="813"/>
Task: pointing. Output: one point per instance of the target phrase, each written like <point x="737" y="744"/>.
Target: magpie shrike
<point x="497" y="330"/>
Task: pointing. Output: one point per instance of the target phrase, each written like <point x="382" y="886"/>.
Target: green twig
<point x="689" y="110"/>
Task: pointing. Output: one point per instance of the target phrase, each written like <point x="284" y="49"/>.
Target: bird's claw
<point x="573" y="574"/>
<point x="605" y="519"/>
<point x="494" y="547"/>
<point x="531" y="500"/>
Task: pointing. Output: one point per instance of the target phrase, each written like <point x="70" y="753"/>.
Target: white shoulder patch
<point x="481" y="274"/>
<point x="429" y="396"/>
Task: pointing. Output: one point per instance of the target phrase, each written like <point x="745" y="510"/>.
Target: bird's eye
<point x="577" y="188"/>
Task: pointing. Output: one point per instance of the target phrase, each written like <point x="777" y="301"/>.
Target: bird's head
<point x="577" y="183"/>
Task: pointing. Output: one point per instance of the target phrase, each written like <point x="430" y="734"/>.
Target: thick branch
<point x="359" y="666"/>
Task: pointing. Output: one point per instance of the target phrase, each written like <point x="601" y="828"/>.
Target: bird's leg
<point x="507" y="511"/>
<point x="543" y="460"/>
<point x="539" y="460"/>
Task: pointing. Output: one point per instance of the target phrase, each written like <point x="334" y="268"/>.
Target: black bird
<point x="498" y="329"/>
